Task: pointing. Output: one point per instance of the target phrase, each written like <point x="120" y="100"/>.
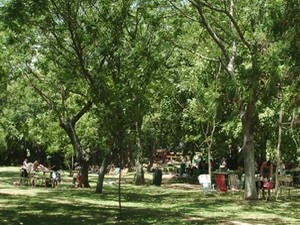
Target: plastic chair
<point x="205" y="182"/>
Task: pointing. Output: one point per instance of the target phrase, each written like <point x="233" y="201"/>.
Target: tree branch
<point x="210" y="30"/>
<point x="46" y="98"/>
<point x="229" y="15"/>
<point x="85" y="109"/>
<point x="195" y="53"/>
<point x="182" y="12"/>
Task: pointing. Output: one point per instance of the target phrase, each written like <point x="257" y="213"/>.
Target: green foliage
<point x="147" y="63"/>
<point x="3" y="144"/>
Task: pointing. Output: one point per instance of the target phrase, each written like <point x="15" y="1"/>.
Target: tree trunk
<point x="139" y="178"/>
<point x="249" y="166"/>
<point x="85" y="174"/>
<point x="248" y="151"/>
<point x="102" y="172"/>
<point x="75" y="141"/>
<point x="278" y="152"/>
<point x="150" y="164"/>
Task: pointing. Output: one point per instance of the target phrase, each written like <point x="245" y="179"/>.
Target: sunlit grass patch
<point x="170" y="203"/>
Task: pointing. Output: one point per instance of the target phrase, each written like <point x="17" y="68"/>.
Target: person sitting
<point x="223" y="164"/>
<point x="182" y="171"/>
<point x="203" y="167"/>
<point x="112" y="169"/>
<point x="266" y="174"/>
<point x="36" y="165"/>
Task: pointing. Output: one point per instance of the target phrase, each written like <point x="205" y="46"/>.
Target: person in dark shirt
<point x="266" y="174"/>
<point x="54" y="175"/>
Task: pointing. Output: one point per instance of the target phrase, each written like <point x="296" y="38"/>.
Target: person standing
<point x="24" y="168"/>
<point x="77" y="176"/>
<point x="266" y="174"/>
<point x="54" y="168"/>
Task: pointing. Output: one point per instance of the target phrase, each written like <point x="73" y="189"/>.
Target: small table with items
<point x="221" y="181"/>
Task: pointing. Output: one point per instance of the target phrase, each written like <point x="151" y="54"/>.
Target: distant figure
<point x="266" y="173"/>
<point x="164" y="156"/>
<point x="28" y="154"/>
<point x="223" y="164"/>
<point x="282" y="169"/>
<point x="203" y="167"/>
<point x="24" y="168"/>
<point x="266" y="169"/>
<point x="112" y="169"/>
<point x="78" y="169"/>
<point x="25" y="163"/>
<point x="213" y="165"/>
<point x="54" y="175"/>
<point x="34" y="168"/>
<point x="36" y="165"/>
<point x="182" y="168"/>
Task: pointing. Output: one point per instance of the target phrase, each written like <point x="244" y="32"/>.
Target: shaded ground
<point x="171" y="203"/>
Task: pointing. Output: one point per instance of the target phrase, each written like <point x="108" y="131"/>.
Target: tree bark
<point x="85" y="173"/>
<point x="278" y="152"/>
<point x="248" y="123"/>
<point x="139" y="178"/>
<point x="101" y="175"/>
<point x="75" y="141"/>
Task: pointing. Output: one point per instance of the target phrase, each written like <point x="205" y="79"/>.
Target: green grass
<point x="168" y="204"/>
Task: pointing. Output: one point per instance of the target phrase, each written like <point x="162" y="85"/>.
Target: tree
<point x="241" y="54"/>
<point x="52" y="61"/>
<point x="99" y="53"/>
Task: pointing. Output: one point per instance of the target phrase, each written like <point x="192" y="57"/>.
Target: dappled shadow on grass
<point x="78" y="206"/>
<point x="83" y="206"/>
<point x="167" y="204"/>
<point x="57" y="214"/>
<point x="8" y="177"/>
<point x="53" y="209"/>
<point x="47" y="210"/>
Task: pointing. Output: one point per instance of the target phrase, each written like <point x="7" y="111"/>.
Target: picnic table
<point x="40" y="177"/>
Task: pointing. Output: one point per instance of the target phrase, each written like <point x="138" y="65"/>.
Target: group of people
<point x="264" y="183"/>
<point x="186" y="167"/>
<point x="29" y="172"/>
<point x="28" y="167"/>
<point x="189" y="169"/>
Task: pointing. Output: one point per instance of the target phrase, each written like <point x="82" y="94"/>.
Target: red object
<point x="220" y="182"/>
<point x="268" y="185"/>
<point x="79" y="181"/>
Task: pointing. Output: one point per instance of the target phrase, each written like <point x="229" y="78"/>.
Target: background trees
<point x="125" y="78"/>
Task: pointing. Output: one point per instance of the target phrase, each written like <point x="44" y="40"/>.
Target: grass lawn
<point x="170" y="203"/>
